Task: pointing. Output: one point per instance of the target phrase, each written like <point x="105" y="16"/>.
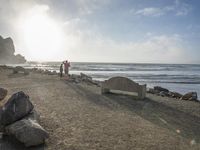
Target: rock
<point x="3" y="93"/>
<point x="4" y="67"/>
<point x="33" y="115"/>
<point x="17" y="107"/>
<point x="19" y="59"/>
<point x="163" y="94"/>
<point x="52" y="73"/>
<point x="47" y="72"/>
<point x="175" y="95"/>
<point x="88" y="79"/>
<point x="6" y="46"/>
<point x="97" y="83"/>
<point x="160" y="89"/>
<point x="34" y="69"/>
<point x="7" y="52"/>
<point x="85" y="77"/>
<point x="40" y="71"/>
<point x="27" y="131"/>
<point x="152" y="91"/>
<point x="190" y="96"/>
<point x="74" y="78"/>
<point x="19" y="69"/>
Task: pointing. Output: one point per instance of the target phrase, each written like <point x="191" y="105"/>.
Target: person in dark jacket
<point x="61" y="70"/>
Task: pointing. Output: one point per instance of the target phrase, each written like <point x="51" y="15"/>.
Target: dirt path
<point x="79" y="118"/>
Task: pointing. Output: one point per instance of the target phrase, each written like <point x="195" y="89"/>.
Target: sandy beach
<point x="78" y="117"/>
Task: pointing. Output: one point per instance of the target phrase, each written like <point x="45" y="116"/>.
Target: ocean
<point x="181" y="78"/>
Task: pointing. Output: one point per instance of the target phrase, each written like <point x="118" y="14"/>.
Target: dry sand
<point x="78" y="117"/>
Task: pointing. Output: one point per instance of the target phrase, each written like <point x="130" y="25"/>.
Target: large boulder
<point x="19" y="69"/>
<point x="3" y="93"/>
<point x="33" y="115"/>
<point x="190" y="96"/>
<point x="17" y="107"/>
<point x="27" y="131"/>
<point x="152" y="91"/>
<point x="160" y="89"/>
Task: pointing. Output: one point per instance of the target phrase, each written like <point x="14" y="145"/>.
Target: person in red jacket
<point x="66" y="67"/>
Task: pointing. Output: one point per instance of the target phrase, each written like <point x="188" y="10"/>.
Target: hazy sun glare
<point x="42" y="35"/>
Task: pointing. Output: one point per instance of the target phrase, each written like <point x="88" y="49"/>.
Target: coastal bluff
<point x="7" y="52"/>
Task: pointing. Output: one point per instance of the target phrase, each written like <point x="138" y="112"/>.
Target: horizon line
<point x="119" y="62"/>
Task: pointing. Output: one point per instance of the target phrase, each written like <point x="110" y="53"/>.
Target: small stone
<point x="178" y="131"/>
<point x="192" y="142"/>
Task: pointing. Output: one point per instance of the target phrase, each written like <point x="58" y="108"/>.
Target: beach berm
<point x="77" y="116"/>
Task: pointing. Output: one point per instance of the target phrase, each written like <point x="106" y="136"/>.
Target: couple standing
<point x="66" y="68"/>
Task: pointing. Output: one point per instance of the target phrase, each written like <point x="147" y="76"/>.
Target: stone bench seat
<point x="123" y="84"/>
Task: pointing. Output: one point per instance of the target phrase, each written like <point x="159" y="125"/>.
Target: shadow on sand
<point x="17" y="75"/>
<point x="10" y="143"/>
<point x="182" y="123"/>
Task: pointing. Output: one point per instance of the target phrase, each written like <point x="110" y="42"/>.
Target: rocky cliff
<point x="7" y="51"/>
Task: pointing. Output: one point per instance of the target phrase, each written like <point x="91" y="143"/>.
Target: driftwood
<point x="123" y="84"/>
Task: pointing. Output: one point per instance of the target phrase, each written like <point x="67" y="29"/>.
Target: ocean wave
<point x="178" y="77"/>
<point x="150" y="73"/>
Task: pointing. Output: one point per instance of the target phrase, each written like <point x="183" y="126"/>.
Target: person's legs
<point x="67" y="71"/>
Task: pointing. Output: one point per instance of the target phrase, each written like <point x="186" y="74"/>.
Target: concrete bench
<point x="123" y="84"/>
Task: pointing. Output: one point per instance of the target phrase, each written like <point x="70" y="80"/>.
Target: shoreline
<point x="96" y="81"/>
<point x="156" y="75"/>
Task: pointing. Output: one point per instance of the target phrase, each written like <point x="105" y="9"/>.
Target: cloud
<point x="183" y="10"/>
<point x="74" y="8"/>
<point x="84" y="42"/>
<point x="150" y="12"/>
<point x="88" y="6"/>
<point x="84" y="45"/>
<point x="9" y="11"/>
<point x="178" y="8"/>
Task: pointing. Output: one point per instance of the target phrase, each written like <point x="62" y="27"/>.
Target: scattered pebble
<point x="192" y="142"/>
<point x="178" y="131"/>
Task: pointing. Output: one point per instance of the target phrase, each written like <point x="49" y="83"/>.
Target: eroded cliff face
<point x="7" y="52"/>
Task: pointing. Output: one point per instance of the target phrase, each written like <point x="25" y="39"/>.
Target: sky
<point x="129" y="31"/>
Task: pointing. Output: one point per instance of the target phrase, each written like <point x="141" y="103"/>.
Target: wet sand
<point x="78" y="117"/>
